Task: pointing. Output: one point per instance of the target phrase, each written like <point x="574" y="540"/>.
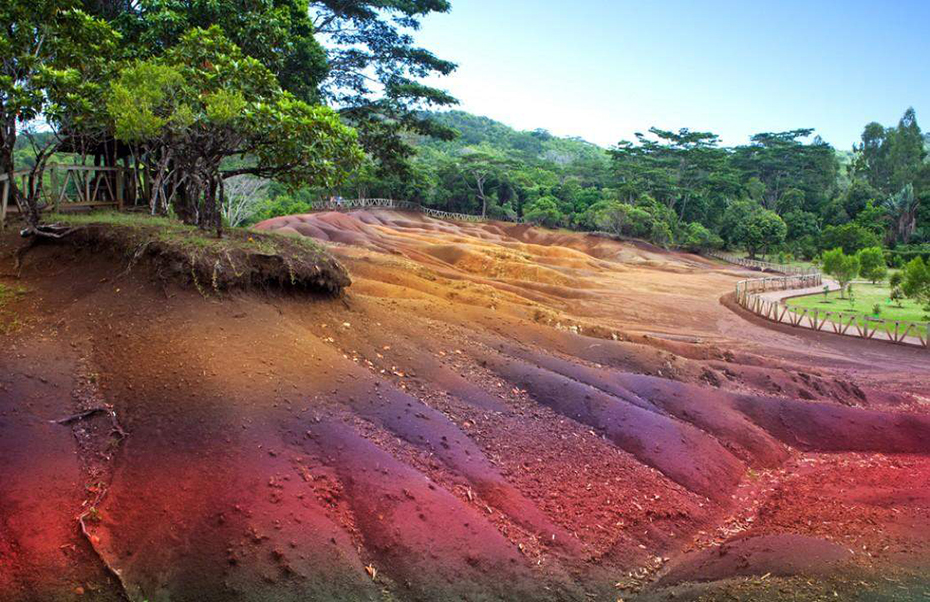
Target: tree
<point x="872" y="264"/>
<point x="791" y="201"/>
<point x="907" y="152"/>
<point x="694" y="237"/>
<point x="872" y="156"/>
<point x="619" y="218"/>
<point x="801" y="224"/>
<point x="901" y="211"/>
<point x="895" y="282"/>
<point x="850" y="237"/>
<point x="52" y="58"/>
<point x="858" y="196"/>
<point x="873" y="218"/>
<point x="544" y="211"/>
<point x="374" y="68"/>
<point x="734" y="218"/>
<point x="891" y="158"/>
<point x="675" y="168"/>
<point x="478" y="166"/>
<point x="803" y="233"/>
<point x="216" y="113"/>
<point x="762" y="231"/>
<point x="279" y="34"/>
<point x="841" y="266"/>
<point x="243" y="194"/>
<point x="782" y="163"/>
<point x="916" y="281"/>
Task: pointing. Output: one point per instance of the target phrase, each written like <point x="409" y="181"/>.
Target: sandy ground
<point x="492" y="412"/>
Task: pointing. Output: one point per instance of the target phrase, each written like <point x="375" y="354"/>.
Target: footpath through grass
<point x="865" y="299"/>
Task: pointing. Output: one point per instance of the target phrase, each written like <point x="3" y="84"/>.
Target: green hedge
<point x="900" y="255"/>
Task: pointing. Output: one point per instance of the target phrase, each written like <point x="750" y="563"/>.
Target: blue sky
<point x="604" y="69"/>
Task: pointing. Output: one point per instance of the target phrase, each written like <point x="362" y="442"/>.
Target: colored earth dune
<point x="490" y="412"/>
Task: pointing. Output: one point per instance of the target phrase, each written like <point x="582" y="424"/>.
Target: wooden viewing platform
<point x="66" y="187"/>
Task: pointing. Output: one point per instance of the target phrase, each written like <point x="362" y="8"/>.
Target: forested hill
<point x="535" y="145"/>
<point x="787" y="192"/>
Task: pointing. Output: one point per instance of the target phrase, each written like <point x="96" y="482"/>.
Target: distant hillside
<point x="535" y="145"/>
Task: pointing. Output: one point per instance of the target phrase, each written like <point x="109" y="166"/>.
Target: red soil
<point x="492" y="412"/>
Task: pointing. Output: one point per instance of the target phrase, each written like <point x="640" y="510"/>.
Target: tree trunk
<point x="218" y="191"/>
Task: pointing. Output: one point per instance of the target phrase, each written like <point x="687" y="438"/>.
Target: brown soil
<point x="490" y="412"/>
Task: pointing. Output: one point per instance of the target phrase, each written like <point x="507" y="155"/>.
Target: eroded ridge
<point x="492" y="411"/>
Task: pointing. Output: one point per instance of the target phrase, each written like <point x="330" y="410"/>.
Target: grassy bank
<point x="863" y="303"/>
<point x="9" y="320"/>
<point x="242" y="258"/>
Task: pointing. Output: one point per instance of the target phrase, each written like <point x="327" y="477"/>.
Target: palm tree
<point x="901" y="210"/>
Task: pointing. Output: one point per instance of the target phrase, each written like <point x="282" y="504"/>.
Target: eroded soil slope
<point x="491" y="412"/>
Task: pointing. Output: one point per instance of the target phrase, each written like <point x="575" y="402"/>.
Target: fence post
<point x="56" y="198"/>
<point x="119" y="189"/>
<point x="4" y="197"/>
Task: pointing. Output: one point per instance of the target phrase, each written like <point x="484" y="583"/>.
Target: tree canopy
<point x="204" y="103"/>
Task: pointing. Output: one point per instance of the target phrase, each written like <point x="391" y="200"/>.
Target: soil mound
<point x="771" y="555"/>
<point x="490" y="411"/>
<point x="240" y="260"/>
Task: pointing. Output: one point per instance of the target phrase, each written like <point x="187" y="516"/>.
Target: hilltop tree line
<point x="786" y="192"/>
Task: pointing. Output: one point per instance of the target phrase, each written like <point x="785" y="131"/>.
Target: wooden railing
<point x="378" y="203"/>
<point x="763" y="266"/>
<point x="71" y="186"/>
<point x="749" y="295"/>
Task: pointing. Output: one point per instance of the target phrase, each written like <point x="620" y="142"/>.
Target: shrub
<point x="896" y="296"/>
<point x="543" y="211"/>
<point x="695" y="237"/>
<point x="661" y="234"/>
<point x="916" y="281"/>
<point x="851" y="238"/>
<point x="841" y="266"/>
<point x="872" y="264"/>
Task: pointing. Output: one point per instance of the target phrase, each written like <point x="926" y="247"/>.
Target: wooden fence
<point x="763" y="266"/>
<point x="71" y="186"/>
<point x="353" y="204"/>
<point x="749" y="295"/>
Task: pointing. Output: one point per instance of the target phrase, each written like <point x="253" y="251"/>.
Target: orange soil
<point x="492" y="411"/>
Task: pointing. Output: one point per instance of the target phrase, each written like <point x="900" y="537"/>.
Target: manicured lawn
<point x="866" y="296"/>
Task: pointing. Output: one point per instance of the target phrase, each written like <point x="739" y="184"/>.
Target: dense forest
<point x="785" y="192"/>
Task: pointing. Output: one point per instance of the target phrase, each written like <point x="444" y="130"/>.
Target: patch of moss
<point x="9" y="320"/>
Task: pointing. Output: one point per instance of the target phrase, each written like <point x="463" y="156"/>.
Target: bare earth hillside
<point x="490" y="412"/>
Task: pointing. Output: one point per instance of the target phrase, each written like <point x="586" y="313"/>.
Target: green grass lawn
<point x="865" y="297"/>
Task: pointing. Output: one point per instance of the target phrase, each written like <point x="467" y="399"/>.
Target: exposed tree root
<point x="91" y="539"/>
<point x="140" y="250"/>
<point x="90" y="508"/>
<point x="117" y="428"/>
<point x="34" y="235"/>
<point x="20" y="254"/>
<point x="54" y="231"/>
